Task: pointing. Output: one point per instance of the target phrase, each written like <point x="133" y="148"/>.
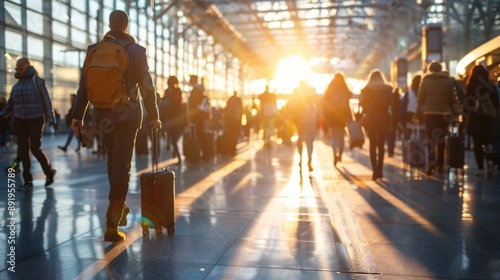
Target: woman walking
<point x="337" y="113"/>
<point x="479" y="126"/>
<point x="376" y="103"/>
<point x="175" y="114"/>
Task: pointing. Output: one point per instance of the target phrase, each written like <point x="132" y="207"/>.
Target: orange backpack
<point x="105" y="69"/>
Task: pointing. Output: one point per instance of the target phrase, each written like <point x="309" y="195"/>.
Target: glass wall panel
<point x="143" y="20"/>
<point x="78" y="37"/>
<point x="15" y="14"/>
<point x="109" y="4"/>
<point x="93" y="29"/>
<point x="59" y="11"/>
<point x="35" y="48"/>
<point x="60" y="31"/>
<point x="120" y="5"/>
<point x="36" y="5"/>
<point x="79" y="5"/>
<point x="105" y="17"/>
<point x="13" y="41"/>
<point x="78" y="19"/>
<point x="93" y="8"/>
<point x="58" y="54"/>
<point x="133" y="29"/>
<point x="35" y="22"/>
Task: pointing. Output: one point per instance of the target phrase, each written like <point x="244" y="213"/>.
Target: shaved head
<point x="118" y="20"/>
<point x="23" y="61"/>
<point x="22" y="65"/>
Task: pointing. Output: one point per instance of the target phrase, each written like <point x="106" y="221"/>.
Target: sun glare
<point x="294" y="68"/>
<point x="290" y="71"/>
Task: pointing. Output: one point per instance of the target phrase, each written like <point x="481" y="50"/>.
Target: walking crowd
<point x="428" y="110"/>
<point x="431" y="111"/>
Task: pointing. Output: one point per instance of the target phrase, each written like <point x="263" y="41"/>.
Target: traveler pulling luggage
<point x="157" y="195"/>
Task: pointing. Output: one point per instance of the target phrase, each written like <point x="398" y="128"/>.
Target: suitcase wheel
<point x="170" y="230"/>
<point x="145" y="231"/>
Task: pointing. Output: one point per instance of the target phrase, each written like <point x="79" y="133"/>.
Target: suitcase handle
<point x="416" y="128"/>
<point x="155" y="149"/>
<point x="454" y="129"/>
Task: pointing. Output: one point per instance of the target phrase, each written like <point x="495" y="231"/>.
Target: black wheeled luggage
<point x="157" y="195"/>
<point x="455" y="148"/>
<point x="208" y="145"/>
<point x="191" y="144"/>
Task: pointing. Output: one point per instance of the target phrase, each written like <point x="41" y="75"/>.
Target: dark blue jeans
<point x="29" y="138"/>
<point x="119" y="141"/>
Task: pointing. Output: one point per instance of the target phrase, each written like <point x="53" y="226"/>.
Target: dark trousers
<point x="377" y="140"/>
<point x="119" y="142"/>
<point x="233" y="129"/>
<point x="175" y="129"/>
<point x="200" y="133"/>
<point x="436" y="129"/>
<point x="482" y="140"/>
<point x="29" y="138"/>
<point x="391" y="141"/>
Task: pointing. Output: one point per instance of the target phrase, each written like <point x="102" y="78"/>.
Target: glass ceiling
<point x="352" y="36"/>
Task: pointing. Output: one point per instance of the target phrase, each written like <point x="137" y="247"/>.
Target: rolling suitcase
<point x="414" y="150"/>
<point x="157" y="195"/>
<point x="455" y="148"/>
<point x="208" y="145"/>
<point x="191" y="144"/>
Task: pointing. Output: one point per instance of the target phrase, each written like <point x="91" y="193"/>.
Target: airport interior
<point x="260" y="211"/>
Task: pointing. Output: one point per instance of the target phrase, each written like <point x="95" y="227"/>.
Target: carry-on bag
<point x="157" y="195"/>
<point x="208" y="145"/>
<point x="191" y="144"/>
<point x="455" y="147"/>
<point x="414" y="150"/>
<point x="356" y="136"/>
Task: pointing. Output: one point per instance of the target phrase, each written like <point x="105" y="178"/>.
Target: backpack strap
<point x="44" y="106"/>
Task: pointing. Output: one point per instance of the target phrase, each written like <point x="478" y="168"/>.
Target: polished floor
<point x="256" y="215"/>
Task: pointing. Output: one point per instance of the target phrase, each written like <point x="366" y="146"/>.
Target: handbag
<point x="484" y="108"/>
<point x="356" y="135"/>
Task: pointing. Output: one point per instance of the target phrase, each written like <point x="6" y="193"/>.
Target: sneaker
<point x="62" y="148"/>
<point x="50" y="178"/>
<point x="113" y="235"/>
<point x="479" y="173"/>
<point x="14" y="165"/>
<point x="26" y="186"/>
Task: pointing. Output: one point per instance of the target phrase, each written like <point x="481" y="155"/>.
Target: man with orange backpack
<point x="115" y="69"/>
